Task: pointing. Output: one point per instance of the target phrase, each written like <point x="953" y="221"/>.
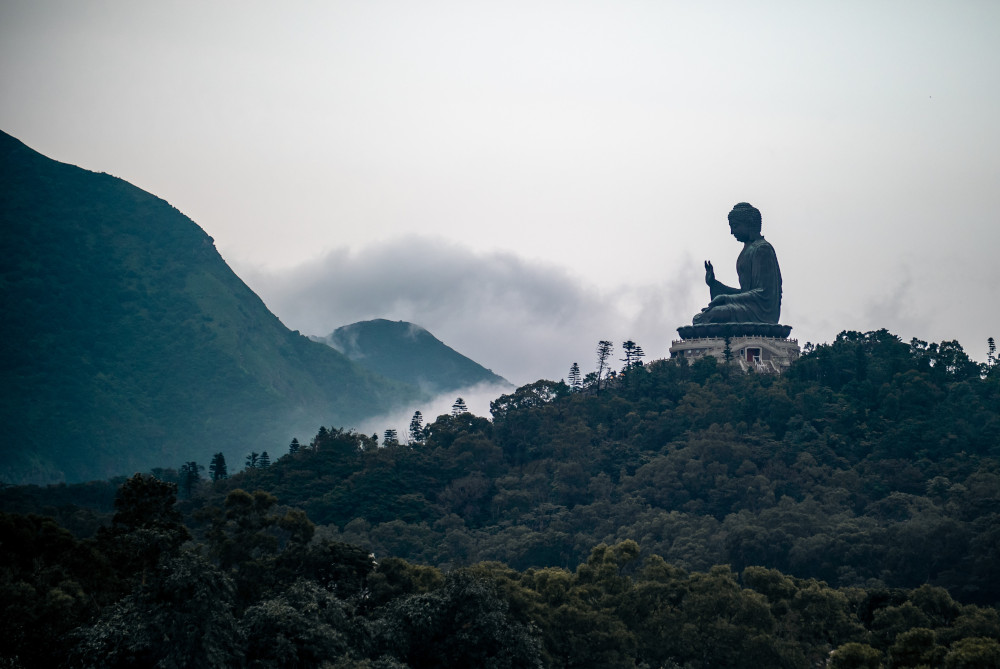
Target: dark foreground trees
<point x="260" y="589"/>
<point x="851" y="502"/>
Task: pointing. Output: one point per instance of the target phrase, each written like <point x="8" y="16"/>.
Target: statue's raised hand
<point x="709" y="272"/>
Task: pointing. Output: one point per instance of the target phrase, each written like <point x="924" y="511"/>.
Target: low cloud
<point x="477" y="398"/>
<point x="525" y="320"/>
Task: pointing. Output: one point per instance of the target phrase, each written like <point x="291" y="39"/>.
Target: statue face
<point x="742" y="229"/>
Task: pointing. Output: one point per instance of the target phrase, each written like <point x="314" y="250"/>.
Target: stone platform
<point x="734" y="330"/>
<point x="758" y="353"/>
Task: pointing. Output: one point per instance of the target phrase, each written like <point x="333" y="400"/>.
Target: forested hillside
<point x="127" y="343"/>
<point x="410" y="354"/>
<point x="852" y="502"/>
<point x="870" y="461"/>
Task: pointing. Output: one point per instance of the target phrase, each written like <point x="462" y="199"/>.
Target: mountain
<point x="128" y="343"/>
<point x="409" y="354"/>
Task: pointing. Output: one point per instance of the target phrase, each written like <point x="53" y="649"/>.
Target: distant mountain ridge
<point x="408" y="353"/>
<point x="127" y="342"/>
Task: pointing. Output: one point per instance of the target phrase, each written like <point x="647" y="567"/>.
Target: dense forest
<point x="842" y="514"/>
<point x="126" y="341"/>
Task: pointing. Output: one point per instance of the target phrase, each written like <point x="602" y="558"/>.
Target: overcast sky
<point x="526" y="178"/>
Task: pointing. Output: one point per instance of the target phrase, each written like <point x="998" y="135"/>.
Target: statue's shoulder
<point x="761" y="244"/>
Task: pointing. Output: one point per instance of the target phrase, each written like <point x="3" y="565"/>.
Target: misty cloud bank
<point x="477" y="398"/>
<point x="524" y="320"/>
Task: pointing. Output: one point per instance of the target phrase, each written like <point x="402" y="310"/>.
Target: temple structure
<point x="741" y="324"/>
<point x="758" y="353"/>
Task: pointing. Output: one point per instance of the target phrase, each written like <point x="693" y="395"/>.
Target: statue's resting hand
<point x="720" y="300"/>
<point x="709" y="272"/>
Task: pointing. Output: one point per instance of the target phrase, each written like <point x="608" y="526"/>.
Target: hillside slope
<point x="127" y="342"/>
<point x="410" y="354"/>
<point x="870" y="462"/>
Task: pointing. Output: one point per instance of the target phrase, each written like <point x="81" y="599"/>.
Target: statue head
<point x="744" y="222"/>
<point x="744" y="211"/>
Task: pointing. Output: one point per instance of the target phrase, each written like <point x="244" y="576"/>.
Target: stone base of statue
<point x="759" y="347"/>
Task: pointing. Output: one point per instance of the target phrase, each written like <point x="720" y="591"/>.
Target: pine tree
<point x="575" y="381"/>
<point x="252" y="460"/>
<point x="417" y="428"/>
<point x="727" y="356"/>
<point x="190" y="476"/>
<point x="390" y="438"/>
<point x="265" y="460"/>
<point x="991" y="352"/>
<point x="638" y="354"/>
<point x="604" y="349"/>
<point x="217" y="468"/>
<point x="459" y="407"/>
<point x="293" y="447"/>
<point x="629" y="348"/>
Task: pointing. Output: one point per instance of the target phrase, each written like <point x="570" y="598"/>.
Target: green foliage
<point x="575" y="380"/>
<point x="856" y="655"/>
<point x="190" y="476"/>
<point x="261" y="589"/>
<point x="181" y="617"/>
<point x="973" y="653"/>
<point x="49" y="583"/>
<point x="416" y="434"/>
<point x="862" y="466"/>
<point x="853" y="500"/>
<point x="302" y="627"/>
<point x="459" y="407"/>
<point x="465" y="623"/>
<point x="217" y="469"/>
<point x="146" y="526"/>
<point x="409" y="354"/>
<point x="128" y="342"/>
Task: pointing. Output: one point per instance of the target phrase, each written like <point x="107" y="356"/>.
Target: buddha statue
<point x="758" y="299"/>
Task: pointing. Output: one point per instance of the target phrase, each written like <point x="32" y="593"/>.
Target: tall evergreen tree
<point x="417" y="428"/>
<point x="190" y="476"/>
<point x="253" y="460"/>
<point x="459" y="407"/>
<point x="390" y="438"/>
<point x="629" y="348"/>
<point x="575" y="380"/>
<point x="265" y="460"/>
<point x="604" y="349"/>
<point x="727" y="357"/>
<point x="294" y="447"/>
<point x="217" y="468"/>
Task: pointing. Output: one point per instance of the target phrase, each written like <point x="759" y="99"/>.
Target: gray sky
<point x="526" y="178"/>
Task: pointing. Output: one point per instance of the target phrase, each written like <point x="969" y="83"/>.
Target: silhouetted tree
<point x="253" y="460"/>
<point x="459" y="407"/>
<point x="628" y="347"/>
<point x="633" y="354"/>
<point x="727" y="357"/>
<point x="293" y="447"/>
<point x="417" y="428"/>
<point x="190" y="476"/>
<point x="390" y="438"/>
<point x="575" y="380"/>
<point x="265" y="460"/>
<point x="217" y="468"/>
<point x="145" y="528"/>
<point x="604" y="349"/>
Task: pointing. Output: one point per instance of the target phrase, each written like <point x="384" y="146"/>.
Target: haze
<point x="524" y="179"/>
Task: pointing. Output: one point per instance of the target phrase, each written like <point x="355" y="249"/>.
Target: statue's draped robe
<point x="758" y="299"/>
